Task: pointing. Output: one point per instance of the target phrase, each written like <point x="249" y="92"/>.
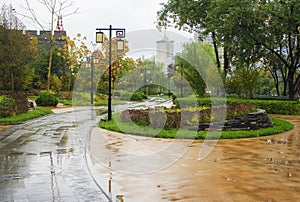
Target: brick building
<point x="44" y="38"/>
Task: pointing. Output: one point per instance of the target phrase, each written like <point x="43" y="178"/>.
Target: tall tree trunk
<point x="291" y="85"/>
<point x="297" y="86"/>
<point x="49" y="66"/>
<point x="52" y="38"/>
<point x="285" y="85"/>
<point x="12" y="82"/>
<point x="275" y="79"/>
<point x="216" y="49"/>
<point x="226" y="61"/>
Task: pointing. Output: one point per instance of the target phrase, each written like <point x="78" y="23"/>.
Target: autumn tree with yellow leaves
<point x="73" y="53"/>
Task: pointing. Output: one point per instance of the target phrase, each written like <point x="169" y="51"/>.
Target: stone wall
<point x="44" y="38"/>
<point x="251" y="121"/>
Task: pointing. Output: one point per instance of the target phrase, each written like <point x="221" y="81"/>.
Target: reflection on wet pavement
<point x="258" y="169"/>
<point x="44" y="160"/>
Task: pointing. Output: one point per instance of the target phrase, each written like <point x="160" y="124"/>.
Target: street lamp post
<point x="145" y="81"/>
<point x="88" y="65"/>
<point x="94" y="60"/>
<point x="120" y="33"/>
<point x="170" y="74"/>
<point x="181" y="81"/>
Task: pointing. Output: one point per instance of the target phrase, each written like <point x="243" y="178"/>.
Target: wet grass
<point x="280" y="126"/>
<point x="25" y="116"/>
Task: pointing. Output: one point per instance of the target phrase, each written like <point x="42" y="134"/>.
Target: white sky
<point x="133" y="15"/>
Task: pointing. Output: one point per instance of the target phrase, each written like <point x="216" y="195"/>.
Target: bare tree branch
<point x="46" y="4"/>
<point x="72" y="13"/>
<point x="33" y="16"/>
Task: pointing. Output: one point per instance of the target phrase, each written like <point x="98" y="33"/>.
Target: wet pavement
<point x="54" y="158"/>
<point x="256" y="169"/>
<point x="47" y="159"/>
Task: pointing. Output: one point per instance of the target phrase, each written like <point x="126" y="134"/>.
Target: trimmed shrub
<point x="185" y="118"/>
<point x="236" y="109"/>
<point x="13" y="104"/>
<point x="136" y="96"/>
<point x="271" y="106"/>
<point x="278" y="106"/>
<point x="47" y="99"/>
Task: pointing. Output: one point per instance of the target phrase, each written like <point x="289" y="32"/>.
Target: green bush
<point x="47" y="99"/>
<point x="278" y="106"/>
<point x="13" y="104"/>
<point x="6" y="106"/>
<point x="136" y="96"/>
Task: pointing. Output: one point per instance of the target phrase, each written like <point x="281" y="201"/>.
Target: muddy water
<point x="259" y="169"/>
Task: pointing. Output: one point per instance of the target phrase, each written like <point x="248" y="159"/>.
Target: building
<point x="165" y="52"/>
<point x="44" y="38"/>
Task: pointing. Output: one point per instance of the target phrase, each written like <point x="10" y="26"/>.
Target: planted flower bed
<point x="238" y="116"/>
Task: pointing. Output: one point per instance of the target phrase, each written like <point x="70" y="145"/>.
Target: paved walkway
<point x="45" y="160"/>
<point x="153" y="169"/>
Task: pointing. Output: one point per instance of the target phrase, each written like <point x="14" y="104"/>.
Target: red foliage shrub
<point x="185" y="119"/>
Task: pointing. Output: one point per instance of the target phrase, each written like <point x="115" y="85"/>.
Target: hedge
<point x="271" y="106"/>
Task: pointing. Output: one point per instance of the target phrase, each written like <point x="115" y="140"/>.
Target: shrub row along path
<point x="46" y="159"/>
<point x="152" y="169"/>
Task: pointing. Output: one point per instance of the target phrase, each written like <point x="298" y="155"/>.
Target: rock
<point x="31" y="104"/>
<point x="60" y="105"/>
<point x="251" y="121"/>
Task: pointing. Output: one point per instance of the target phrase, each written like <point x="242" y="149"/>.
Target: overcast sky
<point x="133" y="15"/>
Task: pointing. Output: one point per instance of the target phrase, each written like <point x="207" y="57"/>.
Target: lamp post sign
<point x="120" y="33"/>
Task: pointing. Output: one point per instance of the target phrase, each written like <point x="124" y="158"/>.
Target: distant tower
<point x="165" y="52"/>
<point x="59" y="25"/>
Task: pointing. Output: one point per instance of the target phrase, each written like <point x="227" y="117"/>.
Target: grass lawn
<point x="25" y="116"/>
<point x="280" y="126"/>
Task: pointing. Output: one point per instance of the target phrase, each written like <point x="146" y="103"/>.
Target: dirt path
<point x="258" y="169"/>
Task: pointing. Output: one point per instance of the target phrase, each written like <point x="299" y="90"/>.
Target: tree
<point x="278" y="71"/>
<point x="118" y="61"/>
<point x="191" y="16"/>
<point x="244" y="81"/>
<point x="17" y="50"/>
<point x="55" y="7"/>
<point x="59" y="68"/>
<point x="282" y="38"/>
<point x="73" y="53"/>
<point x="249" y="31"/>
<point x="197" y="68"/>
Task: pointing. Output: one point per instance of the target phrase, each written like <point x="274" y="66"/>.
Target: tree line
<point x="254" y="35"/>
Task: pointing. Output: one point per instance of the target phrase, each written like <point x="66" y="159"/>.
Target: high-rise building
<point x="165" y="52"/>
